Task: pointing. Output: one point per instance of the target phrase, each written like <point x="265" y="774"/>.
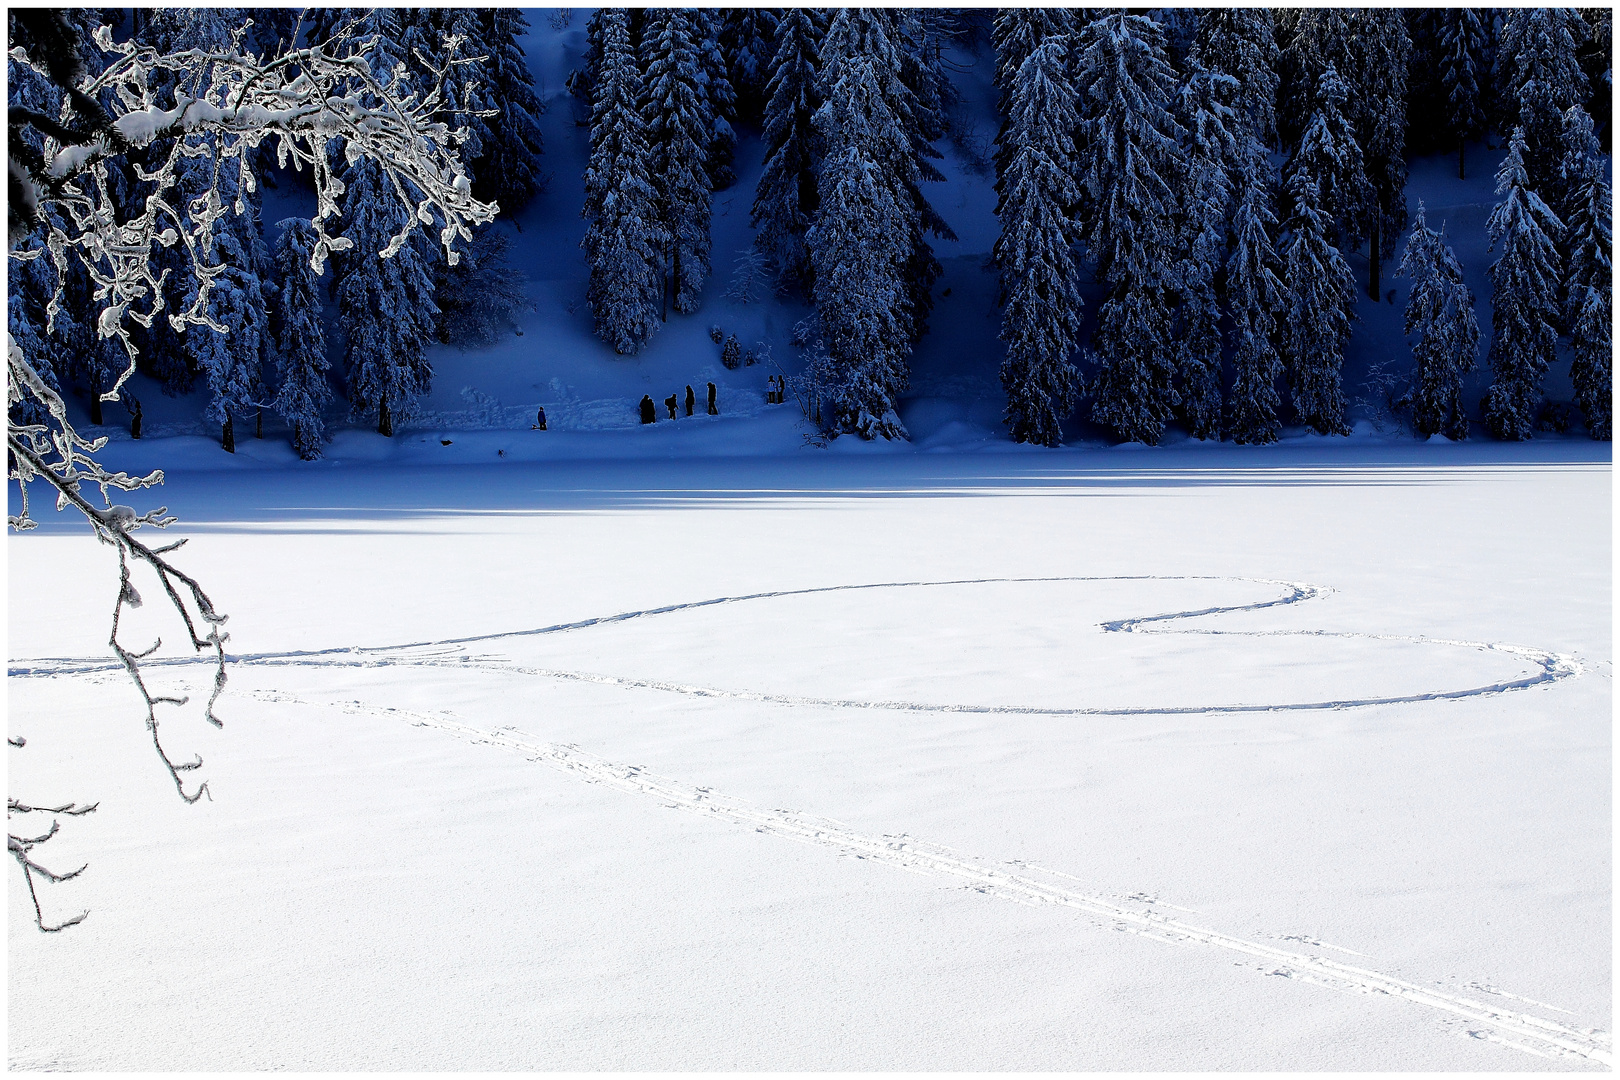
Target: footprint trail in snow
<point x="1018" y="882"/>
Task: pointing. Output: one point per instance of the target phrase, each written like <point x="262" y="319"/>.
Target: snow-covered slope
<point x="955" y="399"/>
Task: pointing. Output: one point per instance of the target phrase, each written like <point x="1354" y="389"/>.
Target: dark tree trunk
<point x="227" y="437"/>
<point x="95" y="406"/>
<point x="385" y="420"/>
<point x="1462" y="149"/>
<point x="1373" y="254"/>
<point x="258" y="424"/>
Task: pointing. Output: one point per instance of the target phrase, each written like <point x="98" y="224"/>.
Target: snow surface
<point x="878" y="772"/>
<point x="444" y="837"/>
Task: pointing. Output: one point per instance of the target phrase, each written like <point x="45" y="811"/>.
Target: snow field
<point x="402" y="868"/>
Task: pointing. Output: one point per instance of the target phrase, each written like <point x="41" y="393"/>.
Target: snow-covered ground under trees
<point x="1194" y="758"/>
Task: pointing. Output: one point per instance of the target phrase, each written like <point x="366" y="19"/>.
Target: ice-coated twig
<point x="311" y="102"/>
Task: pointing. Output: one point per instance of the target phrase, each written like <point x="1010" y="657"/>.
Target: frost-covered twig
<point x="312" y="103"/>
<point x="21" y="848"/>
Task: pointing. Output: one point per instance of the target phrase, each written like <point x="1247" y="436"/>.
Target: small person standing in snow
<point x="691" y="399"/>
<point x="714" y="410"/>
<point x="540" y="420"/>
<point x="649" y="411"/>
<point x="671" y="403"/>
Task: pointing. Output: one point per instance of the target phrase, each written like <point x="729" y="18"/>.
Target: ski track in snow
<point x="1023" y="883"/>
<point x="1549" y="666"/>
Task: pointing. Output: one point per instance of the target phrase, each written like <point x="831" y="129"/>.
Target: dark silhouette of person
<point x="671" y="404"/>
<point x="540" y="420"/>
<point x="691" y="399"/>
<point x="649" y="411"/>
<point x="714" y="410"/>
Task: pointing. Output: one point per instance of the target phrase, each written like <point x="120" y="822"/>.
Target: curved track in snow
<point x="1545" y="667"/>
<point x="1015" y="881"/>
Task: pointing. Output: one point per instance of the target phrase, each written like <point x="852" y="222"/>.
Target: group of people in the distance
<point x="776" y="395"/>
<point x="649" y="411"/>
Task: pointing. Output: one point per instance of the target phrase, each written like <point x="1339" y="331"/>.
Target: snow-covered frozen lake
<point x="1187" y="759"/>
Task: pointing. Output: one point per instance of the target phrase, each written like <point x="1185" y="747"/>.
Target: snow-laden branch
<point x="313" y="105"/>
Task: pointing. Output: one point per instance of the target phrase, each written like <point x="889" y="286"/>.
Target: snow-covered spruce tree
<point x="386" y="305"/>
<point x="1239" y="42"/>
<point x="232" y="349"/>
<point x="1321" y="306"/>
<point x="719" y="97"/>
<point x="1331" y="158"/>
<point x="1542" y="75"/>
<point x="873" y="34"/>
<point x="302" y="103"/>
<point x="1255" y="296"/>
<point x="1592" y="369"/>
<point x="482" y="296"/>
<point x="922" y="32"/>
<point x="509" y="171"/>
<point x="1380" y="51"/>
<point x="1589" y="272"/>
<point x="624" y="242"/>
<point x="785" y="201"/>
<point x="1524" y="302"/>
<point x="1440" y="311"/>
<point x="858" y="248"/>
<point x="1130" y="161"/>
<point x="298" y="338"/>
<point x="676" y="115"/>
<point x="1462" y="64"/>
<point x="1204" y="109"/>
<point x="1309" y="39"/>
<point x="748" y="42"/>
<point x="1040" y="272"/>
<point x="1015" y="34"/>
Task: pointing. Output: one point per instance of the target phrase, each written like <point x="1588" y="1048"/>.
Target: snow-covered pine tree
<point x="510" y="168"/>
<point x="1462" y="63"/>
<point x="873" y="33"/>
<point x="859" y="250"/>
<point x="1589" y="272"/>
<point x="1040" y="273"/>
<point x="1015" y="34"/>
<point x="1580" y="171"/>
<point x="1239" y="42"/>
<point x="1205" y="110"/>
<point x="921" y="32"/>
<point x="1440" y="311"/>
<point x="1379" y="54"/>
<point x="1592" y="369"/>
<point x="386" y="304"/>
<point x="719" y="96"/>
<point x="232" y="351"/>
<point x="1309" y="39"/>
<point x="1524" y="302"/>
<point x="1129" y="163"/>
<point x="678" y="126"/>
<point x="785" y="201"/>
<point x="298" y="338"/>
<point x="748" y="42"/>
<point x="1596" y="55"/>
<point x="1255" y="297"/>
<point x="624" y="242"/>
<point x="1542" y="75"/>
<point x="1321" y="306"/>
<point x="1330" y="157"/>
